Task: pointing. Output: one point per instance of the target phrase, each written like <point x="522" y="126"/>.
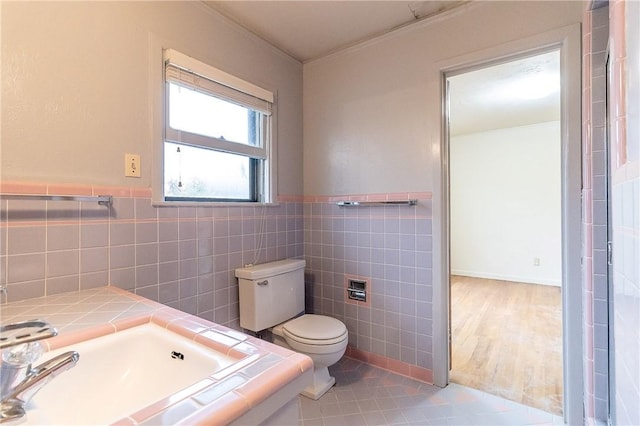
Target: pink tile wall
<point x="392" y="246"/>
<point x="183" y="257"/>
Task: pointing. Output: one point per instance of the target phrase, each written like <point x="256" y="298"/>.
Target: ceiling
<point x="308" y="30"/>
<point x="485" y="99"/>
<point x="516" y="93"/>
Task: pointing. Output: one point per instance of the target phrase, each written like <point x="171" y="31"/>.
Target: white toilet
<point x="272" y="297"/>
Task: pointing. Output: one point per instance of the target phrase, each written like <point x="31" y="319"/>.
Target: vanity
<point x="144" y="363"/>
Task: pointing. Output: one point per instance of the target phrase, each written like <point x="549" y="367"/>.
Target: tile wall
<point x="183" y="257"/>
<point x="595" y="38"/>
<point x="389" y="246"/>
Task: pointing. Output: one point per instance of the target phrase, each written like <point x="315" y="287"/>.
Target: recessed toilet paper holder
<point x="357" y="290"/>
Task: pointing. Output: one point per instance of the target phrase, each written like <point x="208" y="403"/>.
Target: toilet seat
<point x="315" y="329"/>
<point x="314" y="334"/>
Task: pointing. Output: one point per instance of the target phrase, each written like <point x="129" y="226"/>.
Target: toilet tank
<point x="270" y="293"/>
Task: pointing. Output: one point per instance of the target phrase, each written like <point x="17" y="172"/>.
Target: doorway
<point x="568" y="41"/>
<point x="505" y="229"/>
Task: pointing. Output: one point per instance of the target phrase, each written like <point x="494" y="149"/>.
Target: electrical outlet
<point x="536" y="261"/>
<point x="132" y="165"/>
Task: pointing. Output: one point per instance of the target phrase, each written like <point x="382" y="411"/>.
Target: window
<point x="217" y="134"/>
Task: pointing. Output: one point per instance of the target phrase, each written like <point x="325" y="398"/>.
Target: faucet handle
<point x="23" y="354"/>
<point x="25" y="332"/>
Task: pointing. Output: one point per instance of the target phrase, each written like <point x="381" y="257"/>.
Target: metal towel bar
<point x="377" y="203"/>
<point x="103" y="200"/>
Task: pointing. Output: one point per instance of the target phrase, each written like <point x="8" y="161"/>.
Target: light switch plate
<point x="132" y="165"/>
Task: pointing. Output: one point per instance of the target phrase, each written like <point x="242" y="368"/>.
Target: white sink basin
<point x="119" y="374"/>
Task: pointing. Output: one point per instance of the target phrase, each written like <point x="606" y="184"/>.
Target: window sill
<point x="212" y="204"/>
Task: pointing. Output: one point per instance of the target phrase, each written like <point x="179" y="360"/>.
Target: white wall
<point x="372" y="114"/>
<point x="505" y="204"/>
<point x="76" y="94"/>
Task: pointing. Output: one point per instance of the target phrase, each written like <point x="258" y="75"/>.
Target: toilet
<point x="272" y="298"/>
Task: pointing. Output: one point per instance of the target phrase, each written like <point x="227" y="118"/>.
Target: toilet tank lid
<point x="256" y="272"/>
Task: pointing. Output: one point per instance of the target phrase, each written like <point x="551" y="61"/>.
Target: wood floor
<point x="507" y="340"/>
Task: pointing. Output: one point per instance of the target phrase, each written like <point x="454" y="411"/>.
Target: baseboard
<point x="514" y="278"/>
<point x="390" y="364"/>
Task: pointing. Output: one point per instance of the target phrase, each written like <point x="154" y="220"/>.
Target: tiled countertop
<point x="221" y="398"/>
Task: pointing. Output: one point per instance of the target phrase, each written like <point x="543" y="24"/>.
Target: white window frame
<point x="162" y="132"/>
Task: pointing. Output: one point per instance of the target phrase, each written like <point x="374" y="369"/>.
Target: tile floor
<point x="366" y="395"/>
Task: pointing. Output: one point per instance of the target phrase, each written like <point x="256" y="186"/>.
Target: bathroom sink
<point x="121" y="373"/>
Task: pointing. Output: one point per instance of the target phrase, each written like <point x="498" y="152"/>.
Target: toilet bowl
<point x="323" y="339"/>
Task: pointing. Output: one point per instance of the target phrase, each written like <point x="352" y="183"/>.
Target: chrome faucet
<point x="19" y="381"/>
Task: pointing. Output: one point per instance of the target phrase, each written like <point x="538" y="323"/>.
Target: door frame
<point x="568" y="41"/>
<point x="611" y="368"/>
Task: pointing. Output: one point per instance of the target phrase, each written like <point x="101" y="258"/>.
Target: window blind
<point x="186" y="71"/>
